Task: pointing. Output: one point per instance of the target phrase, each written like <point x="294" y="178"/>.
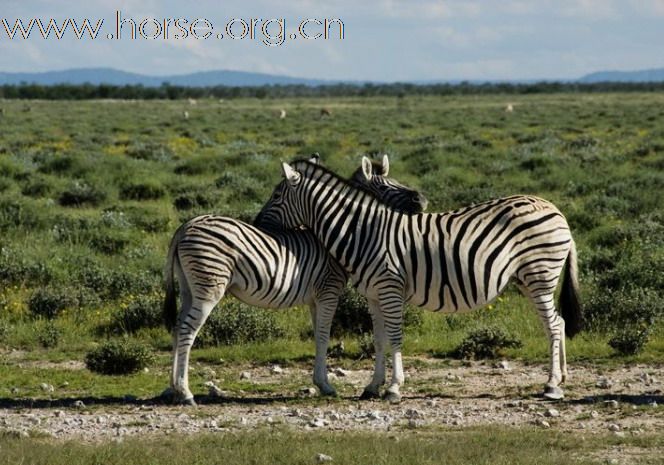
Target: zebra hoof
<point x="328" y="393"/>
<point x="553" y="393"/>
<point x="392" y="397"/>
<point x="368" y="394"/>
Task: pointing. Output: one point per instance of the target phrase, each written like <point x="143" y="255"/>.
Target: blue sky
<point x="385" y="40"/>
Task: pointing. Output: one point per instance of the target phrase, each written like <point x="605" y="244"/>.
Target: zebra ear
<point x="315" y="158"/>
<point x="292" y="176"/>
<point x="386" y="165"/>
<point x="367" y="169"/>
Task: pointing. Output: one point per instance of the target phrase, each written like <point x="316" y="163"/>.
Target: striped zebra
<point x="262" y="265"/>
<point x="449" y="262"/>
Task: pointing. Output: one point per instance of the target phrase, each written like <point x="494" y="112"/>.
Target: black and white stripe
<point x="453" y="261"/>
<point x="262" y="265"/>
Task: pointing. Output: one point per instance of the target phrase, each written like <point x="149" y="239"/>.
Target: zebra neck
<point x="346" y="223"/>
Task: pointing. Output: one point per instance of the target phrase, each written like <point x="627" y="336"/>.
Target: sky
<point x="384" y="40"/>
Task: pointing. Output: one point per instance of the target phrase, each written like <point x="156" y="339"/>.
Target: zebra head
<point x="372" y="176"/>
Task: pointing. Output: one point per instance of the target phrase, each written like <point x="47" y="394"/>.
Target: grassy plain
<point x="91" y="191"/>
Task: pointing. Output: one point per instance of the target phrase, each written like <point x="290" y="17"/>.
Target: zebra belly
<point x="271" y="297"/>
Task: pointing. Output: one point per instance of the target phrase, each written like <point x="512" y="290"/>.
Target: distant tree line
<point x="171" y="92"/>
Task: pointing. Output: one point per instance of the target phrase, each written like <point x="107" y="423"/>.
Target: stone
<point x="614" y="427"/>
<point x="611" y="403"/>
<point x="308" y="391"/>
<point x="340" y="372"/>
<point x="414" y="413"/>
<point x="276" y="370"/>
<point x="318" y="423"/>
<point x="594" y="414"/>
<point x="503" y="365"/>
<point x="245" y="375"/>
<point x="374" y="415"/>
<point x="47" y="387"/>
<point x="552" y="413"/>
<point x="79" y="404"/>
<point x="543" y="423"/>
<point x="604" y="383"/>
<point x="321" y="458"/>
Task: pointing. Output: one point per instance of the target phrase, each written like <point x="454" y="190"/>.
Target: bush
<point x="606" y="310"/>
<point x="39" y="186"/>
<point x="486" y="342"/>
<point x="49" y="336"/>
<point x="49" y="302"/>
<point x="630" y="340"/>
<point x="190" y="200"/>
<point x="119" y="357"/>
<point x="234" y="322"/>
<point x="5" y="329"/>
<point x="146" y="190"/>
<point x="110" y="242"/>
<point x="144" y="312"/>
<point x="81" y="193"/>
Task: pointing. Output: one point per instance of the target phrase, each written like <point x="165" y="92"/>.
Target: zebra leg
<point x="322" y="313"/>
<point x="372" y="391"/>
<point x="554" y="326"/>
<point x="392" y="310"/>
<point x="189" y="323"/>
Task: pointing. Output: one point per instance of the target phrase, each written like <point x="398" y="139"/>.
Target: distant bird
<point x="324" y="112"/>
<point x="185" y="114"/>
<point x="192" y="101"/>
<point x="282" y="114"/>
<point x="509" y="108"/>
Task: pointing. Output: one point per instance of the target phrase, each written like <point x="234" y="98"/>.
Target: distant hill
<point x="647" y="75"/>
<point x="112" y="76"/>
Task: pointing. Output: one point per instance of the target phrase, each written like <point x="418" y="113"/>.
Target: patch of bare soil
<point x="622" y="401"/>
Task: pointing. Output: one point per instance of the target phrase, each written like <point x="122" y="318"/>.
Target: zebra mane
<point x="350" y="183"/>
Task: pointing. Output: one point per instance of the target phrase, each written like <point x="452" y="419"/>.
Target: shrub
<point x="190" y="200"/>
<point x="144" y="312"/>
<point x="81" y="193"/>
<point x="606" y="310"/>
<point x="486" y="342"/>
<point x="149" y="151"/>
<point x="234" y="322"/>
<point x="48" y="302"/>
<point x="110" y="242"/>
<point x="49" y="336"/>
<point x="119" y="357"/>
<point x="630" y="340"/>
<point x="39" y="186"/>
<point x="146" y="190"/>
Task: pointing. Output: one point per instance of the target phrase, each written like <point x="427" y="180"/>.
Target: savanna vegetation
<point x="91" y="192"/>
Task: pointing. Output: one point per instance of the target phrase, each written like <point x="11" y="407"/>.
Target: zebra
<point x="450" y="262"/>
<point x="261" y="265"/>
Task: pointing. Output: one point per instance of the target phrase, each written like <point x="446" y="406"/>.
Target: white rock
<point x="457" y="413"/>
<point x="340" y="372"/>
<point x="245" y="375"/>
<point x="318" y="423"/>
<point x="79" y="404"/>
<point x="321" y="458"/>
<point x="375" y="415"/>
<point x="59" y="413"/>
<point x="276" y="370"/>
<point x="47" y="387"/>
<point x="614" y="427"/>
<point x="413" y="413"/>
<point x="308" y="391"/>
<point x="503" y="365"/>
<point x="552" y="412"/>
<point x="543" y="423"/>
<point x="604" y="383"/>
<point x="611" y="403"/>
<point x="594" y="414"/>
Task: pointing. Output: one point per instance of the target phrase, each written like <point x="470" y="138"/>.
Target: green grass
<point x="476" y="446"/>
<point x="599" y="157"/>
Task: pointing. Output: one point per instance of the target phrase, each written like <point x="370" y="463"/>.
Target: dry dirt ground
<point x="623" y="401"/>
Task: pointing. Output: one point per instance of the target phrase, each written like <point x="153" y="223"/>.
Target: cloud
<point x="589" y="9"/>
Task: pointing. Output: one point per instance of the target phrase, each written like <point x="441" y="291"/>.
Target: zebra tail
<point x="570" y="303"/>
<point x="170" y="308"/>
